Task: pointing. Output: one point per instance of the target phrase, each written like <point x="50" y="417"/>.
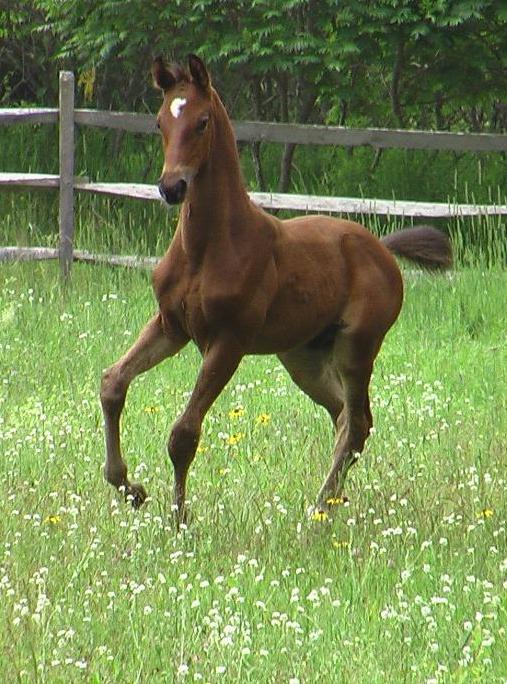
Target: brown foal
<point x="320" y="293"/>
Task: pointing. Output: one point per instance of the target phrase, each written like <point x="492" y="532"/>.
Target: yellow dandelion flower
<point x="151" y="409"/>
<point x="335" y="501"/>
<point x="234" y="439"/>
<point x="237" y="412"/>
<point x="319" y="516"/>
<point x="263" y="419"/>
<point x="486" y="513"/>
<point x="341" y="544"/>
<point x="52" y="519"/>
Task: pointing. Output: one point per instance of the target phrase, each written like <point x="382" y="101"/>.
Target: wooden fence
<point x="67" y="117"/>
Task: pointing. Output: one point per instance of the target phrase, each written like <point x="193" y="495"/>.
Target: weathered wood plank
<point x="352" y="205"/>
<point x="312" y="203"/>
<point x="249" y="131"/>
<point x="135" y="190"/>
<point x="33" y="115"/>
<point x="116" y="260"/>
<point x="66" y="185"/>
<point x="125" y="121"/>
<point x="33" y="180"/>
<point x="27" y="254"/>
<point x="46" y="253"/>
<point x="304" y="203"/>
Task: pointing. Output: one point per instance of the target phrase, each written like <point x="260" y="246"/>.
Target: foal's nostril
<point x="180" y="189"/>
<point x="173" y="194"/>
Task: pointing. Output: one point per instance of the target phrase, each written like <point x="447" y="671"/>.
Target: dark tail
<point x="424" y="245"/>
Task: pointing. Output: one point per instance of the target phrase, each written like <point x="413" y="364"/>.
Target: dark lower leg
<point x="220" y="362"/>
<point x="115" y="468"/>
<point x="352" y="429"/>
<point x="349" y="444"/>
<point x="182" y="446"/>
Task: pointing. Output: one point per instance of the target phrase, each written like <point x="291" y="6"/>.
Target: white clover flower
<point x="313" y="596"/>
<point x="438" y="600"/>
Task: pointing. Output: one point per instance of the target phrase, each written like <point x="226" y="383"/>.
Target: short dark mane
<point x="180" y="73"/>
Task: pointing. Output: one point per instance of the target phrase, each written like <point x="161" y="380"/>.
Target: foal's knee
<point x="112" y="391"/>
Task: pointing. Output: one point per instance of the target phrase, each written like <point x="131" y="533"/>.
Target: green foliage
<point x="422" y="64"/>
<point x="391" y="63"/>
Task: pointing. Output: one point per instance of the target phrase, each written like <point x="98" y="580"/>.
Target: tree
<point x="401" y="63"/>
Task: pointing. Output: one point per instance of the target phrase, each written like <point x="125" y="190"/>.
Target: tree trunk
<point x="257" y="163"/>
<point x="256" y="145"/>
<point x="398" y="66"/>
<point x="307" y="103"/>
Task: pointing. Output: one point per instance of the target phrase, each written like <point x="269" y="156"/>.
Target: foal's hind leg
<point x="354" y="359"/>
<point x="152" y="346"/>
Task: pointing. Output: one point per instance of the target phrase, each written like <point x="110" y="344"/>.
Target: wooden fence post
<point x="66" y="172"/>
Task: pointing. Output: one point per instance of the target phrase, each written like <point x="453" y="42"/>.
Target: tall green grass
<point x="407" y="583"/>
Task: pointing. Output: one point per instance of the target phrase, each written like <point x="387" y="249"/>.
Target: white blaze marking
<point x="177" y="105"/>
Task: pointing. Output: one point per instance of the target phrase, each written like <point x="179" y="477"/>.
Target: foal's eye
<point x="201" y="126"/>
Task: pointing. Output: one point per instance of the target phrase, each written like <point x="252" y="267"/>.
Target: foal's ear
<point x="199" y="72"/>
<point x="162" y="77"/>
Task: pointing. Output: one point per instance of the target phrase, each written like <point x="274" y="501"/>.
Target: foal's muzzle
<point x="173" y="194"/>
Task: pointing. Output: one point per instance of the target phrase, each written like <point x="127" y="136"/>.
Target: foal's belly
<point x="299" y="312"/>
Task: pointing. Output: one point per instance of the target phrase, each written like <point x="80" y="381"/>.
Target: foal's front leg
<point x="220" y="361"/>
<point x="153" y="346"/>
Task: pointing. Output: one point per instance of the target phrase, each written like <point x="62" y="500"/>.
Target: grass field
<point x="406" y="584"/>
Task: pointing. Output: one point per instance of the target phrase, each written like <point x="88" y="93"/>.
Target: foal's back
<point x="329" y="272"/>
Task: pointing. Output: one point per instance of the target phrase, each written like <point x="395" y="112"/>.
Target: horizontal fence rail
<point x="49" y="253"/>
<point x="284" y="133"/>
<point x="271" y="200"/>
<point x="246" y="131"/>
<point x="251" y="131"/>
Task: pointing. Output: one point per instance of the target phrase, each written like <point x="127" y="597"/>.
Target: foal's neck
<point x="217" y="203"/>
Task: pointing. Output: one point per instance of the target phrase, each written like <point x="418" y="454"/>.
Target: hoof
<point x="324" y="510"/>
<point x="181" y="518"/>
<point x="318" y="513"/>
<point x="136" y="494"/>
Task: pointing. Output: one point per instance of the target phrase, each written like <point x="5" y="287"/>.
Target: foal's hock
<point x="320" y="293"/>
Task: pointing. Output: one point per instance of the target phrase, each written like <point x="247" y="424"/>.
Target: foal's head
<point x="184" y="122"/>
